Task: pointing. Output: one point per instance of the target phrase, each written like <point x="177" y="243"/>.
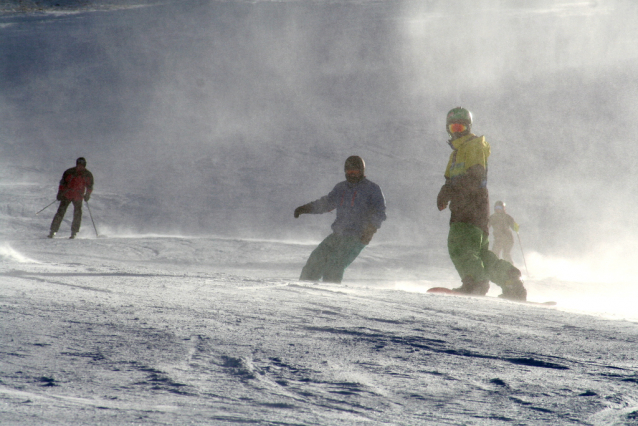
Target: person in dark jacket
<point x="360" y="210"/>
<point x="76" y="185"/>
<point x="503" y="224"/>
<point x="465" y="191"/>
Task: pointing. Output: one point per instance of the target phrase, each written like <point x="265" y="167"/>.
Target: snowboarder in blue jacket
<point x="360" y="210"/>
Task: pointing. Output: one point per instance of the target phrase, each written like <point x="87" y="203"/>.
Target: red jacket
<point x="75" y="184"/>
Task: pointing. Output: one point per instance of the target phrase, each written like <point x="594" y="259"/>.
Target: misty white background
<point x="234" y="113"/>
<point x="219" y="118"/>
<point x="205" y="123"/>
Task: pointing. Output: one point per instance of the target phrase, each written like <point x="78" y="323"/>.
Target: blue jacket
<point x="358" y="204"/>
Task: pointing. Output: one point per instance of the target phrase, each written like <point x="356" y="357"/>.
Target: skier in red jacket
<point x="76" y="185"/>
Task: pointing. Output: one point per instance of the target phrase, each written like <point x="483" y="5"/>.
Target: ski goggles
<point x="353" y="172"/>
<point x="457" y="127"/>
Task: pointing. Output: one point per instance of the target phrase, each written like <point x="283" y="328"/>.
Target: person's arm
<point x="475" y="176"/>
<point x="62" y="188"/>
<point x="445" y="195"/>
<point x="513" y="224"/>
<point x="89" y="186"/>
<point x="377" y="206"/>
<point x="322" y="205"/>
<point x="377" y="214"/>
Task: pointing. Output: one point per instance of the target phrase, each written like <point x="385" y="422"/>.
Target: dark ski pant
<point x="331" y="257"/>
<point x="77" y="216"/>
<point x="468" y="248"/>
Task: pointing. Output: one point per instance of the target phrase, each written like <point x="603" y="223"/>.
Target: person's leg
<point x="497" y="247"/>
<point x="344" y="253"/>
<point x="77" y="217"/>
<point x="503" y="274"/>
<point x="59" y="215"/>
<point x="507" y="251"/>
<point x="316" y="264"/>
<point x="464" y="246"/>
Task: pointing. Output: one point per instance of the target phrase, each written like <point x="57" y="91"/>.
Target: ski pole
<point x="91" y="214"/>
<point x="521" y="245"/>
<point x="49" y="205"/>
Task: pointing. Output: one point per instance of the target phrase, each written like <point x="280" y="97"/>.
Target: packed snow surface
<point x="168" y="330"/>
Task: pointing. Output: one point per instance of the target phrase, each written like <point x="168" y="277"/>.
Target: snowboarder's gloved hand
<point x="368" y="233"/>
<point x="87" y="197"/>
<point x="444" y="197"/>
<point x="302" y="210"/>
<point x="59" y="196"/>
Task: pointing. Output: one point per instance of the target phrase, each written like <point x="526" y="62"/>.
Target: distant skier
<point x="465" y="190"/>
<point x="503" y="225"/>
<point x="360" y="210"/>
<point x="76" y="185"/>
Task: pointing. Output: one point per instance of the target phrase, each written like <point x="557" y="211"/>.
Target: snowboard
<point x="445" y="290"/>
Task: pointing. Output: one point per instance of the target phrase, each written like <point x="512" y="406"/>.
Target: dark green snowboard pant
<point x="468" y="246"/>
<point x="331" y="257"/>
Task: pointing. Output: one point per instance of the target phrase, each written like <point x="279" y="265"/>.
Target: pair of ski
<point x="444" y="290"/>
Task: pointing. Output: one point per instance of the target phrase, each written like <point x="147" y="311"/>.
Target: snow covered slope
<point x="161" y="330"/>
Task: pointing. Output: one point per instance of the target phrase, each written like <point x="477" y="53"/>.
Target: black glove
<point x="87" y="197"/>
<point x="59" y="196"/>
<point x="368" y="233"/>
<point x="302" y="210"/>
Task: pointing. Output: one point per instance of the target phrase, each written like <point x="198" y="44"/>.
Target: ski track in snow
<point x="134" y="330"/>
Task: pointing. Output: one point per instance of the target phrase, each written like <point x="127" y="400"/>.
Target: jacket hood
<point x="456" y="143"/>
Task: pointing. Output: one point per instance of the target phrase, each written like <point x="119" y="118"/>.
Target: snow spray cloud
<point x="8" y="253"/>
<point x="225" y="114"/>
<point x="220" y="117"/>
<point x="556" y="102"/>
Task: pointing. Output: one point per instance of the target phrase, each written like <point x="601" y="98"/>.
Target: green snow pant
<point x="468" y="246"/>
<point x="331" y="257"/>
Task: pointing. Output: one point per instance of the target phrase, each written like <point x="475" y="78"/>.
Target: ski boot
<point x="51" y="234"/>
<point x="470" y="286"/>
<point x="72" y="237"/>
<point x="513" y="289"/>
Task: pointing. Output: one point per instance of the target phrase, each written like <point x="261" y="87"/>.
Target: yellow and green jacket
<point x="465" y="187"/>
